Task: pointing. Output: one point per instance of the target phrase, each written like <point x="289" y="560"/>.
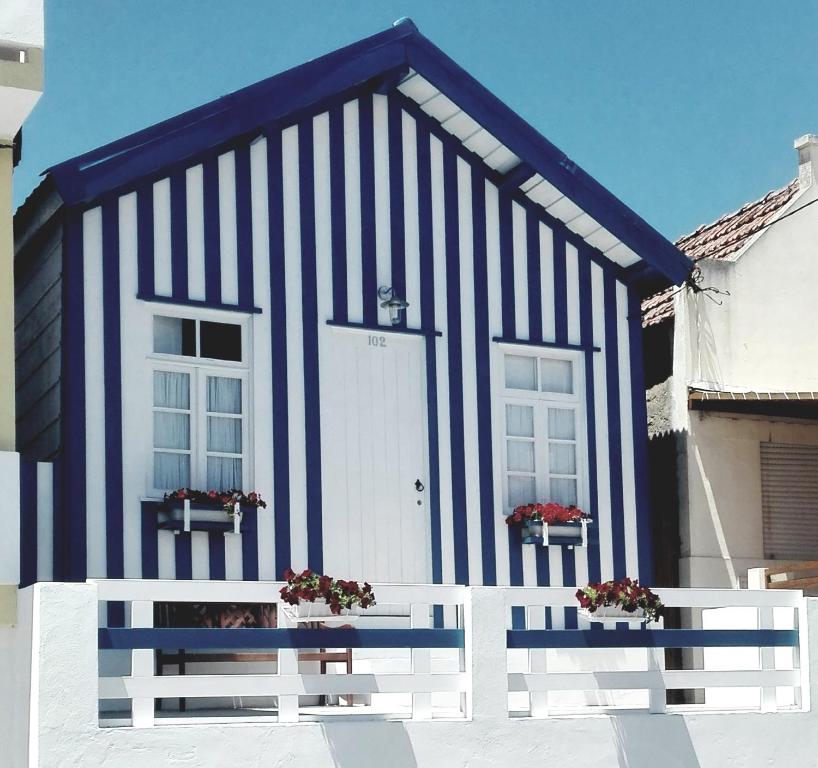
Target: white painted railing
<point x="768" y="628"/>
<point x="502" y="666"/>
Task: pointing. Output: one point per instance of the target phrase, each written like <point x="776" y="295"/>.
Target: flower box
<point x="319" y="611"/>
<point x="182" y="516"/>
<point x="613" y="613"/>
<point x="573" y="533"/>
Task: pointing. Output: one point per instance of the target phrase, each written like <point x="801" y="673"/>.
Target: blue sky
<point x="684" y="110"/>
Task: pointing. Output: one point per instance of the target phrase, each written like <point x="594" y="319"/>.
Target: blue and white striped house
<point x="199" y="304"/>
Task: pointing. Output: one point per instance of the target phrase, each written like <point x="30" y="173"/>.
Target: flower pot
<point x="613" y="613"/>
<point x="319" y="611"/>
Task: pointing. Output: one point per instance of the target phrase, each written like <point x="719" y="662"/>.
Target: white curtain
<point x="171" y="390"/>
<point x="171" y="470"/>
<point x="167" y="335"/>
<point x="224" y="432"/>
<point x="223" y="474"/>
<point x="223" y="395"/>
<point x="171" y="429"/>
<point x="556" y="375"/>
<point x="521" y="372"/>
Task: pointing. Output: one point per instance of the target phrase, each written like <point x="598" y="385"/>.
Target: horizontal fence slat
<point x="271" y="639"/>
<point x="635" y="680"/>
<point x="205" y="686"/>
<point x="168" y="590"/>
<point x="652" y="638"/>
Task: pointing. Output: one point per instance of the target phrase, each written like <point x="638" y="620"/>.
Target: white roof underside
<point x="501" y="159"/>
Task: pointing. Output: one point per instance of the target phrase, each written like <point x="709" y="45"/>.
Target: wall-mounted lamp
<point x="393" y="303"/>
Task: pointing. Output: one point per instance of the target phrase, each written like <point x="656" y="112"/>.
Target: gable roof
<point x="719" y="240"/>
<point x="398" y="57"/>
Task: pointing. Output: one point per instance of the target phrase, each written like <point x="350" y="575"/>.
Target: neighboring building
<point x="200" y="305"/>
<point x="732" y="384"/>
<point x="21" y="84"/>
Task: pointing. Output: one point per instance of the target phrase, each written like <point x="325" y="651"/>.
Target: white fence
<point x="497" y="665"/>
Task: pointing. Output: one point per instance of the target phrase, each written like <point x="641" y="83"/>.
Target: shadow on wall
<point x="352" y="746"/>
<point x="643" y="740"/>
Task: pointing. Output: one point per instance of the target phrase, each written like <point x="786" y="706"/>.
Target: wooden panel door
<point x="374" y="464"/>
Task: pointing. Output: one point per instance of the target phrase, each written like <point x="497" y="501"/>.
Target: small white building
<point x="732" y="377"/>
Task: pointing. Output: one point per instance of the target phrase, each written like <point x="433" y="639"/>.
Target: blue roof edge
<point x="87" y="176"/>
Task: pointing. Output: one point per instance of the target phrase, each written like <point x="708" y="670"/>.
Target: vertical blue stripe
<point x="244" y="226"/>
<point x="614" y="427"/>
<point x="640" y="440"/>
<point x="184" y="556"/>
<point x="507" y="266"/>
<point x="249" y="546"/>
<point x="144" y="239"/>
<point x="212" y="230"/>
<point x="150" y="541"/>
<point x="337" y="182"/>
<point x="278" y="323"/>
<point x="114" y="536"/>
<point x="452" y="238"/>
<point x="309" y="304"/>
<point x="69" y="530"/>
<point x="215" y="552"/>
<point x="482" y="342"/>
<point x="533" y="278"/>
<point x="178" y="233"/>
<point x="28" y="522"/>
<point x="396" y="211"/>
<point x="369" y="268"/>
<point x="586" y="323"/>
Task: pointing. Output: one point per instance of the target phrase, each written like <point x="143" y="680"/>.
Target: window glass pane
<point x="521" y="490"/>
<point x="521" y="372"/>
<point x="171" y="470"/>
<point x="223" y="435"/>
<point x="563" y="491"/>
<point x="174" y="336"/>
<point x="520" y="420"/>
<point x="223" y="395"/>
<point x="223" y="474"/>
<point x="556" y="375"/>
<point x="561" y="424"/>
<point x="171" y="430"/>
<point x="521" y="455"/>
<point x="171" y="390"/>
<point x="221" y="341"/>
<point x="562" y="458"/>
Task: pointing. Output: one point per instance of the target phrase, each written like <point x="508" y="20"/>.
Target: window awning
<point x="794" y="404"/>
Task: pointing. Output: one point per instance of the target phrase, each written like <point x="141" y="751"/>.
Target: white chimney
<point x="807" y="147"/>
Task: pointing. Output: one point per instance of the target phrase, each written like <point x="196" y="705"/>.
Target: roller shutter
<point x="789" y="498"/>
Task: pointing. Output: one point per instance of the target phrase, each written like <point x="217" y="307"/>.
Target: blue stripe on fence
<point x="652" y="638"/>
<point x="247" y="639"/>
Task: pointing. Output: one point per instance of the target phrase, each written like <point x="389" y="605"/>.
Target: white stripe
<point x="352" y="189"/>
<point x="233" y="568"/>
<point x="626" y="416"/>
<point x="166" y="555"/>
<point x="136" y="341"/>
<point x="601" y="410"/>
<point x="295" y="351"/>
<point x="95" y="521"/>
<point x="228" y="245"/>
<point x="495" y="301"/>
<point x="383" y="224"/>
<point x="410" y="218"/>
<point x="323" y="273"/>
<point x="162" y="271"/>
<point x="262" y="472"/>
<point x="518" y="229"/>
<point x="194" y="181"/>
<point x="468" y="355"/>
<point x="199" y="555"/>
<point x="549" y="328"/>
<point x="441" y="348"/>
<point x="45" y="521"/>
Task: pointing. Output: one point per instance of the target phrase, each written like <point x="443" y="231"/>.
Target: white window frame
<point x="199" y="368"/>
<point x="541" y="401"/>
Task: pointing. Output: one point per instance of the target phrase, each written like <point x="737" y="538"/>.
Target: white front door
<point x="373" y="425"/>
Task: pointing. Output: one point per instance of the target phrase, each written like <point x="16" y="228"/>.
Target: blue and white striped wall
<point x="298" y="226"/>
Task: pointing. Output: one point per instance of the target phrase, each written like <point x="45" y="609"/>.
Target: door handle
<point x="419" y="487"/>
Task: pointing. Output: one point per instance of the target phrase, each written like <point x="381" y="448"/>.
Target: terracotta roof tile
<point x="719" y="240"/>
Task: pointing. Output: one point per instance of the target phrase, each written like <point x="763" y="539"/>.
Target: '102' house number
<point x="377" y="341"/>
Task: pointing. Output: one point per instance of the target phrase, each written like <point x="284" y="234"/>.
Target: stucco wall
<point x="721" y="525"/>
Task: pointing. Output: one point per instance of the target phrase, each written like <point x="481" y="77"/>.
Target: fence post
<point x="142" y="664"/>
<point x="756" y="578"/>
<point x="486" y="655"/>
<point x="287" y="665"/>
<point x="537" y="661"/>
<point x="421" y="663"/>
